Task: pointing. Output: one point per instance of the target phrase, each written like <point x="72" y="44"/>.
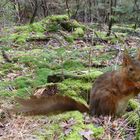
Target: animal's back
<point x="105" y="94"/>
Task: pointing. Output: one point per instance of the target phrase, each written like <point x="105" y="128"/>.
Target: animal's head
<point x="131" y="66"/>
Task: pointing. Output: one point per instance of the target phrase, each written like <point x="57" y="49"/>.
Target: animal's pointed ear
<point x="138" y="54"/>
<point x="126" y="58"/>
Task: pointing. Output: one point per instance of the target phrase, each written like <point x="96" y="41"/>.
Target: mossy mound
<point x="38" y="30"/>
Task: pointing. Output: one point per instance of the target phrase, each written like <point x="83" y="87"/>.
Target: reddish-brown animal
<point x="109" y="95"/>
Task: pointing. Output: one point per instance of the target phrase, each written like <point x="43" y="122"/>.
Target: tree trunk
<point x="90" y="10"/>
<point x="34" y="12"/>
<point x="110" y="20"/>
<point x="68" y="9"/>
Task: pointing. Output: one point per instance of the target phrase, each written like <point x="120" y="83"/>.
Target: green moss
<point x="76" y="84"/>
<point x="77" y="89"/>
<point x="5" y="93"/>
<point x="58" y="18"/>
<point x="22" y="28"/>
<point x="76" y="128"/>
<point x="122" y="29"/>
<point x="36" y="36"/>
<point x="3" y="85"/>
<point x="28" y="60"/>
<point x="2" y="73"/>
<point x="104" y="57"/>
<point x="53" y="27"/>
<point x="19" y="37"/>
<point x="76" y="24"/>
<point x="133" y="116"/>
<point x="133" y="104"/>
<point x="33" y="59"/>
<point x="71" y="25"/>
<point x="69" y="38"/>
<point x="112" y="39"/>
<point x="101" y="34"/>
<point x="8" y="67"/>
<point x="21" y="34"/>
<point x="73" y="65"/>
<point x="37" y="27"/>
<point x="99" y="47"/>
<point x="41" y="76"/>
<point x="71" y="93"/>
<point x="22" y="82"/>
<point x="62" y="87"/>
<point x="78" y="32"/>
<point x="3" y="89"/>
<point x="23" y="92"/>
<point x="6" y="48"/>
<point x="91" y="76"/>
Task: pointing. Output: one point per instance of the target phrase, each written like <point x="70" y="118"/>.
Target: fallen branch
<point x="95" y="65"/>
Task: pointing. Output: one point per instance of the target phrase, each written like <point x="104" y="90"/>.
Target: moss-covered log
<point x="54" y="78"/>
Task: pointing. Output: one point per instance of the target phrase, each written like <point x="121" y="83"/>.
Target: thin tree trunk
<point x="110" y="21"/>
<point x="35" y="12"/>
<point x="68" y="9"/>
<point x="90" y="10"/>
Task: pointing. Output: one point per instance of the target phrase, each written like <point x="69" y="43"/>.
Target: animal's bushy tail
<point x="49" y="105"/>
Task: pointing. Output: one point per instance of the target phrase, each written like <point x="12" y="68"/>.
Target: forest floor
<point x="62" y="56"/>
